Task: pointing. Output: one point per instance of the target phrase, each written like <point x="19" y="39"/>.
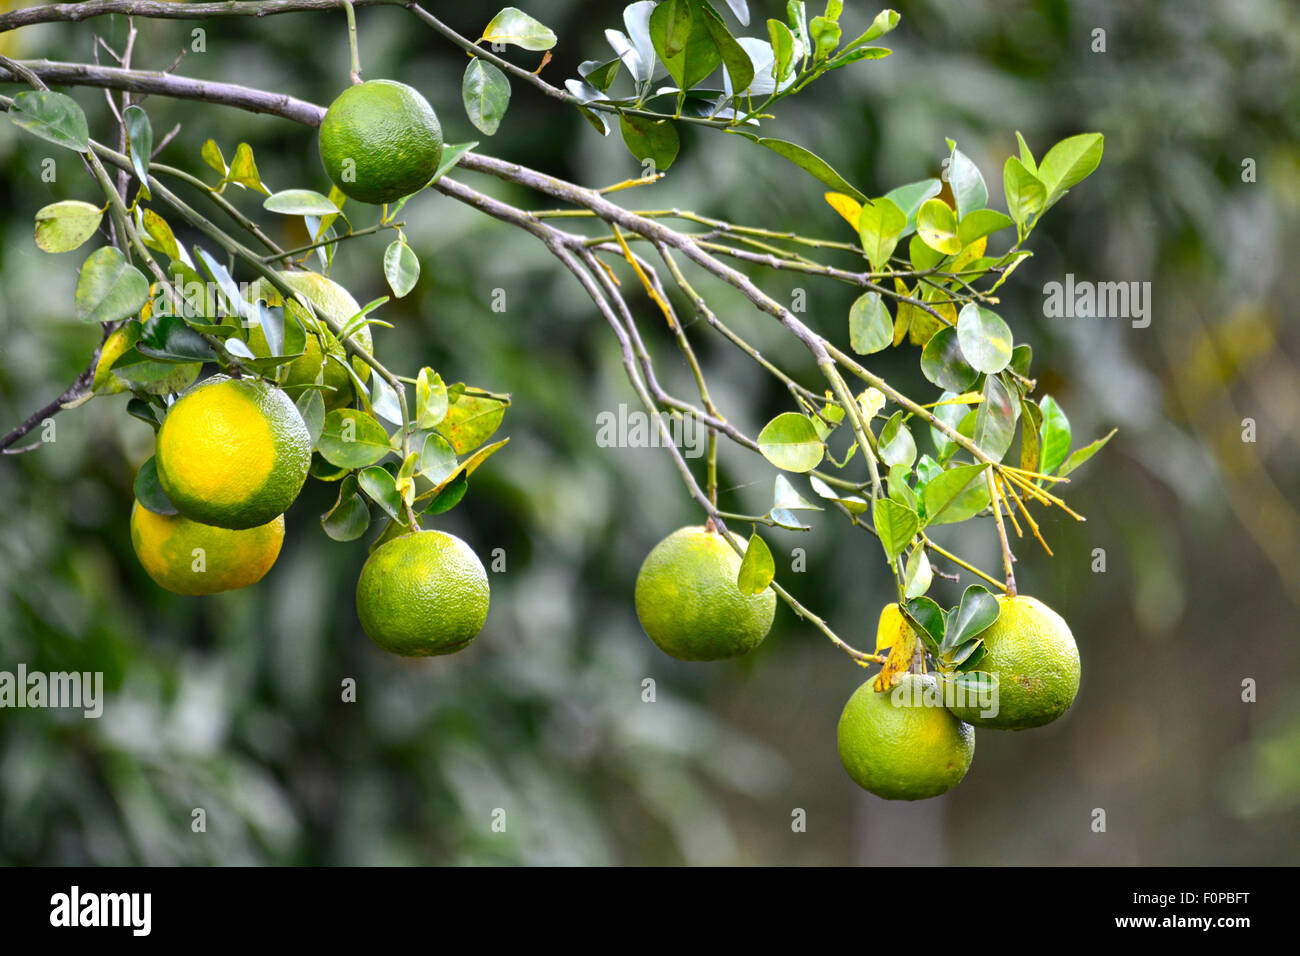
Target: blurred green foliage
<point x="233" y="703"/>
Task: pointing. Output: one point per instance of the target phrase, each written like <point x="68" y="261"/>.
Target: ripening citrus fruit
<point x="333" y="301"/>
<point x="233" y="453"/>
<point x="688" y="601"/>
<point x="901" y="744"/>
<point x="1032" y="653"/>
<point x="191" y="558"/>
<point x="423" y="594"/>
<point x="380" y="141"/>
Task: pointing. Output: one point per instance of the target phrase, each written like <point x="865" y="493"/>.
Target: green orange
<point x="423" y="594"/>
<point x="1031" y="651"/>
<point x="689" y="604"/>
<point x="901" y="744"/>
<point x="380" y="140"/>
<point x="191" y="558"/>
<point x="233" y="453"/>
<point x="324" y="353"/>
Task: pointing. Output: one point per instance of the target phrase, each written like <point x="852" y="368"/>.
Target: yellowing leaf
<point x="900" y="658"/>
<point x="969" y="254"/>
<point x="891" y="629"/>
<point x="846" y="206"/>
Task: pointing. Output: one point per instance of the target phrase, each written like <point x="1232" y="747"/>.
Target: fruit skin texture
<point x="688" y="602"/>
<point x="232" y="559"/>
<point x="423" y="594"/>
<point x="1032" y="652"/>
<point x="337" y="303"/>
<point x="392" y="135"/>
<point x="233" y="453"/>
<point x="907" y="751"/>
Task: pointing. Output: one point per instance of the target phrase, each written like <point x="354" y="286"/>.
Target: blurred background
<point x="232" y="703"/>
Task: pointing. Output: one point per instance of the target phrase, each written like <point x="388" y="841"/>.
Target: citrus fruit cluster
<point x="916" y="738"/>
<point x="912" y="737"/>
<point x="232" y="455"/>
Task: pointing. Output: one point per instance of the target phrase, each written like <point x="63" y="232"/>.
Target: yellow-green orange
<point x="901" y="744"/>
<point x="380" y="141"/>
<point x="191" y="558"/>
<point x="423" y="594"/>
<point x="688" y="601"/>
<point x="336" y="303"/>
<point x="233" y="453"/>
<point x="1032" y="653"/>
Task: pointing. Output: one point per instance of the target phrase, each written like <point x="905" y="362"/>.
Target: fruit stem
<point x="355" y="74"/>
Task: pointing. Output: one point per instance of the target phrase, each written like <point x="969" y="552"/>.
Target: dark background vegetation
<point x="231" y="703"/>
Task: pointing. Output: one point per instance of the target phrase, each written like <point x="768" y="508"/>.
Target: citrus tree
<point x="258" y="372"/>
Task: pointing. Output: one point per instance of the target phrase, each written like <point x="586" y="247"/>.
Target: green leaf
<point x="984" y="338"/>
<point x="449" y="496"/>
<point x="899" y="489"/>
<point x="739" y="66"/>
<point x="451" y="155"/>
<point x="810" y="162"/>
<point x="967" y="183"/>
<point x="976" y="612"/>
<point x="881" y="224"/>
<point x="159" y="235"/>
<point x="885" y="21"/>
<point x="652" y="140"/>
<point x="211" y="154"/>
<point x="980" y="223"/>
<point x="928" y="620"/>
<point x="1026" y="154"/>
<point x="782" y="41"/>
<point x="53" y="117"/>
<point x="300" y="202"/>
<point x="1080" y="455"/>
<point x="896" y="525"/>
<point x="995" y="419"/>
<point x="517" y="28"/>
<point x="109" y="288"/>
<point x="312" y="409"/>
<point x="917" y="574"/>
<point x="401" y="267"/>
<point x="63" y="226"/>
<point x="471" y="420"/>
<point x="786" y="498"/>
<point x="350" y="517"/>
<point x="944" y="489"/>
<point x="861" y="53"/>
<point x="243" y="170"/>
<point x="430" y="399"/>
<point x="437" y="461"/>
<point x="909" y="198"/>
<point x="757" y="569"/>
<point x="149" y="492"/>
<point x="671" y="24"/>
<point x="790" y="442"/>
<point x="897" y="447"/>
<point x="1068" y="162"/>
<point x="381" y="488"/>
<point x="1055" y="439"/>
<point x="384" y="401"/>
<point x="943" y="363"/>
<point x="871" y="327"/>
<point x="168" y="339"/>
<point x="854" y="504"/>
<point x="937" y="226"/>
<point x="352" y="439"/>
<point x="139" y="133"/>
<point x="486" y="94"/>
<point x="1025" y="192"/>
<point x="825" y="34"/>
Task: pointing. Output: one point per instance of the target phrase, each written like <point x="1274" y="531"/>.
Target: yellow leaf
<point x="846" y="206"/>
<point x="901" y="641"/>
<point x="969" y="254"/>
<point x="904" y="314"/>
